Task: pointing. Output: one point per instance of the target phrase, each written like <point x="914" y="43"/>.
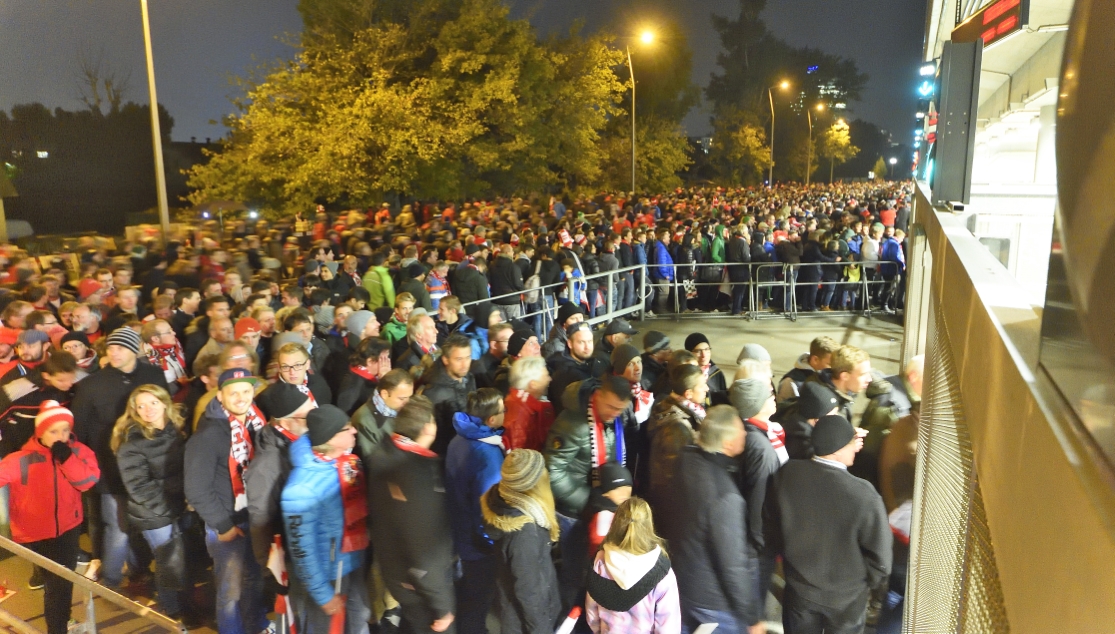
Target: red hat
<point x="246" y="325"/>
<point x="87" y="287"/>
<point x="50" y="412"/>
<point x="9" y="335"/>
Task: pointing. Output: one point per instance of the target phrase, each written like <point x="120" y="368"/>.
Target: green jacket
<point x="568" y="453"/>
<point x="717" y="250"/>
<point x="394" y="330"/>
<point x="382" y="290"/>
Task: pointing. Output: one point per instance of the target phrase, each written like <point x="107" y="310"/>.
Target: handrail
<point x="92" y="587"/>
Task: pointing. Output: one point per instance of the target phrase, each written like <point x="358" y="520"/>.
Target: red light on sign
<point x="994" y="22"/>
<point x="993" y="12"/>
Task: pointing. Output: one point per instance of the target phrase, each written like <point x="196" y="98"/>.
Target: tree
<point x="835" y="144"/>
<point x="880" y="169"/>
<point x="99" y="84"/>
<point x="739" y="148"/>
<point x="663" y="152"/>
<point x="475" y="105"/>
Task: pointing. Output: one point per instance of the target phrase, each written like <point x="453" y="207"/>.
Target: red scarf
<point x="241" y="452"/>
<point x="692" y="407"/>
<point x="409" y="446"/>
<point x="170" y="358"/>
<point x="363" y="372"/>
<point x="599" y="442"/>
<point x="305" y="389"/>
<point x="642" y="402"/>
<point x="776" y="434"/>
<point x="351" y="475"/>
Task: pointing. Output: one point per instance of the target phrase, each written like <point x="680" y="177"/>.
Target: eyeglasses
<point x="699" y="349"/>
<point x="291" y="368"/>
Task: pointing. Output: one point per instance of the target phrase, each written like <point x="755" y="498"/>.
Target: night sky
<point x="198" y="44"/>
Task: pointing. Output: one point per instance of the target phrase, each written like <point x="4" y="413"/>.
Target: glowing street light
<point x="646" y="37"/>
<point x="784" y="85"/>
<point x="893" y="161"/>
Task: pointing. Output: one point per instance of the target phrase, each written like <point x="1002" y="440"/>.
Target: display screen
<point x="993" y="22"/>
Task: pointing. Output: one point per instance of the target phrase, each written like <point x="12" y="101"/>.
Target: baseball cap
<point x="237" y="375"/>
<point x="619" y="326"/>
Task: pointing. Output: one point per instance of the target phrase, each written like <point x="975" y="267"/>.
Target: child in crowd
<point x="614" y="489"/>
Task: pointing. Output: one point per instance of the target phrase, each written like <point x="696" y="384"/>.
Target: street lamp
<point x="809" y="155"/>
<point x="839" y="125"/>
<point x="156" y="133"/>
<point x="646" y="37"/>
<point x="770" y="171"/>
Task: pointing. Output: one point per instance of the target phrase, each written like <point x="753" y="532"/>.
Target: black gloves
<point x="61" y="452"/>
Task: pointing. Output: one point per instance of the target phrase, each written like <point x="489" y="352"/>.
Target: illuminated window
<point x="42" y="154"/>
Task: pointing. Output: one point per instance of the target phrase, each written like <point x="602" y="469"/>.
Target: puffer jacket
<point x="152" y="470"/>
<point x="657" y="606"/>
<point x="670" y="428"/>
<point x="526" y="582"/>
<point x="314" y="518"/>
<point x="45" y="497"/>
<point x="568" y="450"/>
<point x="472" y="466"/>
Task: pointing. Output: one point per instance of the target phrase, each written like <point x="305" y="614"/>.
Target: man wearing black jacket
<point x="100" y="399"/>
<point x="702" y="518"/>
<point x="738" y="253"/>
<point x="411" y="535"/>
<point x="832" y="532"/>
<point x="507" y="278"/>
<point x="217" y="456"/>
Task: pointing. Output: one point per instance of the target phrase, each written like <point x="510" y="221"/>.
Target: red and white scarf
<point x="642" y="401"/>
<point x="241" y="452"/>
<point x="695" y="409"/>
<point x="363" y="372"/>
<point x="170" y="359"/>
<point x="350" y="474"/>
<point x="304" y="387"/>
<point x="776" y="435"/>
<point x="599" y="443"/>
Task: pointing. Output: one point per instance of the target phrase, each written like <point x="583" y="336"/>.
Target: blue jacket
<point x="471" y="468"/>
<point x="663" y="267"/>
<point x="314" y="516"/>
<point x="638" y="251"/>
<point x="891" y="251"/>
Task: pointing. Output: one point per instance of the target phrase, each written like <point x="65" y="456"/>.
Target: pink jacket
<point x="657" y="613"/>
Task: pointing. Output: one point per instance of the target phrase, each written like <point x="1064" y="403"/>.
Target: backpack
<point x="534" y="284"/>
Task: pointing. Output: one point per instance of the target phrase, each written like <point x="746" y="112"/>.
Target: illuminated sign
<point x="994" y="22"/>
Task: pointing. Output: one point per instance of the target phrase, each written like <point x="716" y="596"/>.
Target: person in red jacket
<point x="46" y="479"/>
<point x="529" y="416"/>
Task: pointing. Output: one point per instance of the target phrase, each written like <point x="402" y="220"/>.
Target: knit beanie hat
<point x="384" y="313"/>
<point x="613" y="475"/>
<point x="50" y="412"/>
<point x="754" y="352"/>
<point x="748" y="396"/>
<point x="246" y="325"/>
<point x="815" y="400"/>
<point x="125" y="337"/>
<point x="694" y="340"/>
<point x="621" y="356"/>
<point x="831" y="434"/>
<point x="280" y="400"/>
<point x="654" y="341"/>
<point x="74" y="336"/>
<point x="355" y="322"/>
<point x="521" y="470"/>
<point x="566" y="311"/>
<point x="324" y="422"/>
<point x="518" y="339"/>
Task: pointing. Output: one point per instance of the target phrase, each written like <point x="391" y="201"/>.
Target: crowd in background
<point x="400" y="417"/>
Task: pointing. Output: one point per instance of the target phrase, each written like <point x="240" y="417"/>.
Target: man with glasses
<point x="164" y="352"/>
<point x="294" y="368"/>
<point x="699" y="345"/>
<point x="472" y="466"/>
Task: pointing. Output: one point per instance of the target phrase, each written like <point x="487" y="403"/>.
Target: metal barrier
<point x="91" y="588"/>
<point x="773" y="291"/>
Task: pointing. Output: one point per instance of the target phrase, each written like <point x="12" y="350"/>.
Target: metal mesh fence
<point x="953" y="582"/>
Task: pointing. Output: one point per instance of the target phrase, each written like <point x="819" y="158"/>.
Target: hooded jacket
<point x="314" y="518"/>
<point x="526" y="582"/>
<point x="45" y="497"/>
<point x="506" y="278"/>
<point x="380" y="286"/>
<point x="790" y="385"/>
<point x="472" y="466"/>
<point x="152" y="471"/>
<point x="618" y="578"/>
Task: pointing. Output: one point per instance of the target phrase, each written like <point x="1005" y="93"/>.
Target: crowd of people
<point x="400" y="418"/>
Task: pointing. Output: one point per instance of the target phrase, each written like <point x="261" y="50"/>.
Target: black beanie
<point x="694" y="340"/>
<point x="831" y="434"/>
<point x="566" y="311"/>
<point x="324" y="422"/>
<point x="613" y="475"/>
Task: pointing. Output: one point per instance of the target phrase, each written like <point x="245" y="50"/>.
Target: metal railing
<point x="90" y="588"/>
<point x="773" y="290"/>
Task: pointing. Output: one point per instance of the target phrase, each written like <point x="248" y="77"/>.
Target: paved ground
<point x="880" y="336"/>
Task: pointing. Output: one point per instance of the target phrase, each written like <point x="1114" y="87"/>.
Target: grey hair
<point x="526" y="370"/>
<point x="719" y="424"/>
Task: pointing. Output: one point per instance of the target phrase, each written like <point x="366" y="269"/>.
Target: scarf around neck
<point x="381" y="406"/>
<point x="241" y="451"/>
<point x="777" y="436"/>
<point x="599" y="444"/>
<point x="170" y="359"/>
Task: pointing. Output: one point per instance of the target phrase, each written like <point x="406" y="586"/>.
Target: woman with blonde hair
<point x="632" y="588"/>
<point x="521" y="522"/>
<point x="150" y="446"/>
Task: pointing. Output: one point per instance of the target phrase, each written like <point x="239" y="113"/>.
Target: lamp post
<point x="809" y="153"/>
<point x="770" y="95"/>
<point x="839" y="125"/>
<point x="646" y="38"/>
<point x="156" y="133"/>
